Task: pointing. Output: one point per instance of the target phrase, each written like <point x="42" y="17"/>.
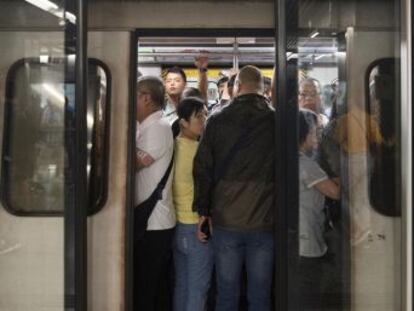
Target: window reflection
<point x="34" y="144"/>
<point x="97" y="131"/>
<point x="383" y="102"/>
<point x="359" y="146"/>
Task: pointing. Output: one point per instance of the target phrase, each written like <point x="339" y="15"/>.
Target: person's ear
<point x="183" y="123"/>
<point x="147" y="100"/>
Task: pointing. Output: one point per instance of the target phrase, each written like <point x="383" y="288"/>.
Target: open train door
<point x="43" y="163"/>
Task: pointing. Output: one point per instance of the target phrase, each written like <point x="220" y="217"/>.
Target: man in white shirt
<point x="154" y="143"/>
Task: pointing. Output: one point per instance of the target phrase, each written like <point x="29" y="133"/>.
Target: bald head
<point x="249" y="80"/>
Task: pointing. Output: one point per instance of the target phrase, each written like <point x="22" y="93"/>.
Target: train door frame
<point x="75" y="214"/>
<point x="159" y="32"/>
<point x="406" y="88"/>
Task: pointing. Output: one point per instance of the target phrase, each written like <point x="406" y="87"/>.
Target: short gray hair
<point x="154" y="87"/>
<point x="311" y="81"/>
<point x="252" y="76"/>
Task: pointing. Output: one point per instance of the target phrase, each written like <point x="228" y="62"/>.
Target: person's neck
<point x="174" y="99"/>
<point x="306" y="151"/>
<point x="245" y="92"/>
<point x="189" y="136"/>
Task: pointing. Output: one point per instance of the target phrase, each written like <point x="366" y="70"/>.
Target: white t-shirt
<point x="154" y="137"/>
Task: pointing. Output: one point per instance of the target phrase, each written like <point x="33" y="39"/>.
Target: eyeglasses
<point x="312" y="94"/>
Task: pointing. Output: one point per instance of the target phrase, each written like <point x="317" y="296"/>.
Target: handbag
<point x="142" y="211"/>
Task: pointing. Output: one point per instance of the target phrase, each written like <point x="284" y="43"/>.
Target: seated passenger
<point x="193" y="260"/>
<point x="314" y="184"/>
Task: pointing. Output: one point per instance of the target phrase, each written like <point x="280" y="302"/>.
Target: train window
<point x="34" y="137"/>
<point x="383" y="102"/>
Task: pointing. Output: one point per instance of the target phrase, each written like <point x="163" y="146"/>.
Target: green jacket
<point x="239" y="195"/>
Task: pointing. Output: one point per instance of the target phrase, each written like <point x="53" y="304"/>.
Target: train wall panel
<point x="32" y="265"/>
<point x="376" y="263"/>
<point x="106" y="233"/>
<point x="181" y="14"/>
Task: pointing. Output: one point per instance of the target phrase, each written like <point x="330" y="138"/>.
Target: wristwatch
<point x="203" y="69"/>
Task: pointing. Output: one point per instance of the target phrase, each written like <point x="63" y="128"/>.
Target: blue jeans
<point x="231" y="251"/>
<point x="193" y="263"/>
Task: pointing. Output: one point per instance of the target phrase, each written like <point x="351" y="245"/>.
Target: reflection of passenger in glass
<point x="355" y="132"/>
<point x="314" y="185"/>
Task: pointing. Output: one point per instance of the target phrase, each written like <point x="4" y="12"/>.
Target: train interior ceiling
<point x="316" y="55"/>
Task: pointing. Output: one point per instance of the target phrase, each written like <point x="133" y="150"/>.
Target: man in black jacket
<point x="234" y="191"/>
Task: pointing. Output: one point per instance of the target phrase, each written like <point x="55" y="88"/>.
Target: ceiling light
<point x="44" y="58"/>
<point x="314" y="34"/>
<point x="54" y="9"/>
<point x="45" y="5"/>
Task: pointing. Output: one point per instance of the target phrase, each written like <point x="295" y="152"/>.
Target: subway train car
<point x="68" y="73"/>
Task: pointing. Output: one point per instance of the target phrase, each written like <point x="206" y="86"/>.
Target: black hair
<point x="307" y="120"/>
<point x="231" y="80"/>
<point x="222" y="80"/>
<point x="189" y="106"/>
<point x="176" y="70"/>
<point x="267" y="81"/>
<point x="192" y="92"/>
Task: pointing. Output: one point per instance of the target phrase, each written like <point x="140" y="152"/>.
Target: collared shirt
<point x="170" y="112"/>
<point x="219" y="106"/>
<point x="154" y="137"/>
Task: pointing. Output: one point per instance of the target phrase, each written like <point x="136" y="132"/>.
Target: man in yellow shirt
<point x="193" y="260"/>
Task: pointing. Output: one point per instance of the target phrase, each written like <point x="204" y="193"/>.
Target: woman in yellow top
<point x="193" y="260"/>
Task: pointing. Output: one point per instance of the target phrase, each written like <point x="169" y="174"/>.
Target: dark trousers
<point x="314" y="275"/>
<point x="152" y="275"/>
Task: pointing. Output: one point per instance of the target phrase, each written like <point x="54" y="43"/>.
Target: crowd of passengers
<point x="205" y="190"/>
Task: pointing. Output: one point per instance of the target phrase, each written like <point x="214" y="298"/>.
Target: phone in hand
<point x="205" y="228"/>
